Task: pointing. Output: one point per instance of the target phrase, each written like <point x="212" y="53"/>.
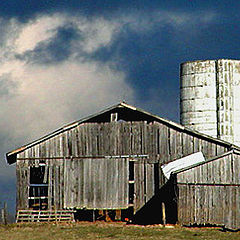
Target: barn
<point x="106" y="166"/>
<point x="209" y="192"/>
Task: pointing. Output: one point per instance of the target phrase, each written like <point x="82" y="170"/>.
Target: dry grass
<point x="101" y="230"/>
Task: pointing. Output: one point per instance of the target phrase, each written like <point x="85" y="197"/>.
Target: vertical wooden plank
<point x="110" y="180"/>
<point x="139" y="198"/>
<point x="65" y="185"/>
<point x="56" y="187"/>
<point x="173" y="144"/>
<point x="85" y="180"/>
<point x="23" y="184"/>
<point x="187" y="141"/>
<point x="93" y="137"/>
<point x="125" y="186"/>
<point x="149" y="181"/>
<point x="120" y="182"/>
<point x="144" y="138"/>
<point x="101" y="140"/>
<point x="104" y="183"/>
<point x="50" y="186"/>
<point x="238" y="206"/>
<point x="79" y="140"/>
<point x="127" y="135"/>
<point x="90" y="183"/>
<point x="18" y="186"/>
<point x="196" y="144"/>
<point x="120" y="138"/>
<point x="61" y="189"/>
<point x="80" y="170"/>
<point x="136" y="187"/>
<point x="164" y="147"/>
<point x="112" y="139"/>
<point x="75" y="180"/>
<point x="98" y="172"/>
<point x="26" y="172"/>
<point x="107" y="141"/>
<point x="115" y="173"/>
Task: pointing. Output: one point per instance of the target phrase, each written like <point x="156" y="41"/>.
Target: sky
<point x="63" y="60"/>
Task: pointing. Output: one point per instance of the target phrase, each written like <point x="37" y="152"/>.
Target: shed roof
<point x="125" y="112"/>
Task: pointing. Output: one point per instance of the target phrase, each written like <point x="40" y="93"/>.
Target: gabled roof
<point x="125" y="112"/>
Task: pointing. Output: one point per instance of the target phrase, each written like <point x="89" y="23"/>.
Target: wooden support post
<point x="3" y="216"/>
<point x="5" y="213"/>
<point x="108" y="219"/>
<point x="163" y="214"/>
<point x="56" y="215"/>
<point x="118" y="215"/>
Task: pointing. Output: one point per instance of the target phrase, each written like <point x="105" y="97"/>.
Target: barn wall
<point x="210" y="193"/>
<point x="81" y="183"/>
<point x="160" y="142"/>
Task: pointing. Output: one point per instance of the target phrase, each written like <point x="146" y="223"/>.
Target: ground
<point x="101" y="230"/>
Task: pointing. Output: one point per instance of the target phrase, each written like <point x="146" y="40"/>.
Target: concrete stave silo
<point x="210" y="98"/>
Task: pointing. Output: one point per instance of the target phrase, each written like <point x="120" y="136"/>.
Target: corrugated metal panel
<point x="182" y="163"/>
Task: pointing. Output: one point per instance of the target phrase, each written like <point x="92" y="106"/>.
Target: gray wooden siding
<point x="96" y="183"/>
<point x="123" y="138"/>
<point x="144" y="187"/>
<point x="95" y="140"/>
<point x="22" y="171"/>
<point x="210" y="193"/>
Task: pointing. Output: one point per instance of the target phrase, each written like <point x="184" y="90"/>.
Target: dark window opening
<point x="38" y="189"/>
<point x="131" y="193"/>
<point x="37" y="175"/>
<point x="131" y="182"/>
<point x="131" y="170"/>
<point x="156" y="178"/>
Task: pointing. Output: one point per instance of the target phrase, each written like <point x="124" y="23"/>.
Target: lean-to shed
<point x="209" y="192"/>
<point x="105" y="165"/>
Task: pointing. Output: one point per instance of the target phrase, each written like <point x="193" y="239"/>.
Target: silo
<point x="210" y="98"/>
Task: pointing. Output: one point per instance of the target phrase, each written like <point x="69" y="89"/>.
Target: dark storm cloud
<point x="150" y="56"/>
<point x="56" y="49"/>
<point x="25" y="9"/>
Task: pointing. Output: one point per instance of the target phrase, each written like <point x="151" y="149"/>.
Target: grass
<point x="102" y="231"/>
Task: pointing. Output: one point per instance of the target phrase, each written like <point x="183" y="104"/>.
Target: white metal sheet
<point x="182" y="163"/>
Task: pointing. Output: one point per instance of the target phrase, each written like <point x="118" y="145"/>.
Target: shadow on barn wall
<point x="152" y="212"/>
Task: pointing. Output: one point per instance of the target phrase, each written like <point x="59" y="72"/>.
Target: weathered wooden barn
<point x="106" y="165"/>
<point x="209" y="192"/>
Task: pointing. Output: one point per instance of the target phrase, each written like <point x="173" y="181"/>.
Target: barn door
<point x="96" y="183"/>
<point x="142" y="183"/>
